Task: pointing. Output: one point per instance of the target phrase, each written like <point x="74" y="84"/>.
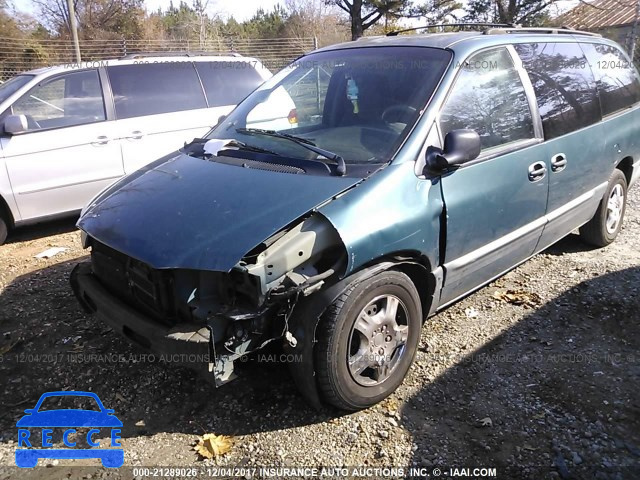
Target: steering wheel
<point x="400" y="110"/>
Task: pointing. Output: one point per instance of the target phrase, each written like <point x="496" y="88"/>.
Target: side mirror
<point x="221" y="119"/>
<point x="29" y="411"/>
<point x="460" y="146"/>
<point x="15" y="124"/>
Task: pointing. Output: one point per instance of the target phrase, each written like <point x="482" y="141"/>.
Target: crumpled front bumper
<point x="183" y="344"/>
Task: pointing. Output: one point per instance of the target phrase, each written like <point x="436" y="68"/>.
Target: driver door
<point x="67" y="154"/>
<point x="495" y="205"/>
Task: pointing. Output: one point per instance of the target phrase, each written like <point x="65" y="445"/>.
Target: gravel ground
<point x="544" y="379"/>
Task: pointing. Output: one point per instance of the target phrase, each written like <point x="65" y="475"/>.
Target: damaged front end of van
<point x="196" y="274"/>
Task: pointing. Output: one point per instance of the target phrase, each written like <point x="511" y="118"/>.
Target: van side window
<point x="227" y="83"/>
<point x="154" y="88"/>
<point x="618" y="84"/>
<point x="564" y="85"/>
<point x="64" y="101"/>
<point x="489" y="97"/>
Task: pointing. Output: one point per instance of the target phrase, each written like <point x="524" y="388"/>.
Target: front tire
<point x="605" y="225"/>
<point x="367" y="340"/>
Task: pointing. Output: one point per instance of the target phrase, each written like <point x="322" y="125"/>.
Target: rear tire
<point x="4" y="230"/>
<point x="605" y="225"/>
<point x="367" y="340"/>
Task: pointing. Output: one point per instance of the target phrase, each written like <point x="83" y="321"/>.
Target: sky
<point x="239" y="9"/>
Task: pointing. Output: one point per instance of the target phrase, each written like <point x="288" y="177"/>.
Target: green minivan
<point x="418" y="169"/>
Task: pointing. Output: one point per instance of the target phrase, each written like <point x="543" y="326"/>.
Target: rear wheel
<point x="605" y="225"/>
<point x="4" y="229"/>
<point x="367" y="341"/>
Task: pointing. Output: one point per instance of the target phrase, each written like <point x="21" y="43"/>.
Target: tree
<point x="200" y="8"/>
<point x="97" y="19"/>
<point x="266" y="24"/>
<point x="181" y="22"/>
<point x="22" y="36"/>
<point x="438" y="11"/>
<point x="366" y="13"/>
<point x="524" y="12"/>
<point x="8" y="26"/>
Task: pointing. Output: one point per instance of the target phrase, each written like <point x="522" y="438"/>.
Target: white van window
<point x="154" y="88"/>
<point x="489" y="97"/>
<point x="227" y="83"/>
<point x="64" y="101"/>
<point x="11" y="86"/>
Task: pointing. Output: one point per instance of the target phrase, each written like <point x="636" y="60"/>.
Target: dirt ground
<point x="536" y="375"/>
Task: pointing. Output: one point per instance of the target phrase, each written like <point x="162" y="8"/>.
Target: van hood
<point x="186" y="212"/>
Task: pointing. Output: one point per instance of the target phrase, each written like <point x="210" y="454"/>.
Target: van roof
<point x="143" y="59"/>
<point x="466" y="42"/>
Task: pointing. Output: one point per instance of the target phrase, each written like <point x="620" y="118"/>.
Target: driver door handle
<point x="136" y="135"/>
<point x="537" y="171"/>
<point x="558" y="162"/>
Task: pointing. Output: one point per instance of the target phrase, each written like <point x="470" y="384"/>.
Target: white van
<point x="67" y="132"/>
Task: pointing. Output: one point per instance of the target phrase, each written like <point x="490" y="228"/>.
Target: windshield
<point x="358" y="104"/>
<point x="9" y="87"/>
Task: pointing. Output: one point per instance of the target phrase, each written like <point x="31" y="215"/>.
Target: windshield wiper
<point x="341" y="167"/>
<point x="196" y="147"/>
<point x="253" y="148"/>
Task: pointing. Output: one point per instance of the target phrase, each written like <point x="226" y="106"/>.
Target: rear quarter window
<point x="564" y="85"/>
<point x="155" y="88"/>
<point x="227" y="83"/>
<point x="617" y="81"/>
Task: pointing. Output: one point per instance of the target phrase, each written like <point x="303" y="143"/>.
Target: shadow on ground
<point x="557" y="391"/>
<point x="572" y="243"/>
<point x="41" y="230"/>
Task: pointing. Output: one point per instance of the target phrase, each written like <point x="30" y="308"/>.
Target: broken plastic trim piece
<point x="222" y="368"/>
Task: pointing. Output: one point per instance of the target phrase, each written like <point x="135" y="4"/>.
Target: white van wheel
<point x="4" y="230"/>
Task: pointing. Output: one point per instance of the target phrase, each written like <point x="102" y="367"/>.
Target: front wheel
<point x="367" y="340"/>
<point x="605" y="225"/>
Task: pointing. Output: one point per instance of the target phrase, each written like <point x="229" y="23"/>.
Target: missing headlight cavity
<point x="267" y="283"/>
<point x="304" y="255"/>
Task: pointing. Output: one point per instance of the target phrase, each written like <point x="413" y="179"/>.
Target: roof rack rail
<point x="135" y="55"/>
<point x="395" y="33"/>
<point x="550" y="30"/>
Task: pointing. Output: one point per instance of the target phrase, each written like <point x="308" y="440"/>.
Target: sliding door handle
<point x="537" y="171"/>
<point x="558" y="162"/>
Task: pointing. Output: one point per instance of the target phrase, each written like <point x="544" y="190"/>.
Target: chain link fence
<point x="19" y="55"/>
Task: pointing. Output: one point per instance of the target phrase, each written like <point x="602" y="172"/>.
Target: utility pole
<point x="634" y="33"/>
<point x="74" y="29"/>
